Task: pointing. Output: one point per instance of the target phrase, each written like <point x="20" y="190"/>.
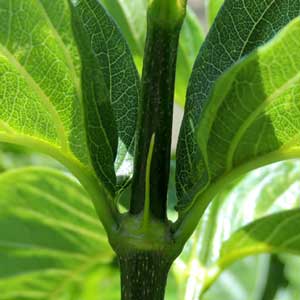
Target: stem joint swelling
<point x="145" y="256"/>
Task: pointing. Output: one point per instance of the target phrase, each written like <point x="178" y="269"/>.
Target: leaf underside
<point x="209" y="128"/>
<point x="41" y="94"/>
<point x="110" y="86"/>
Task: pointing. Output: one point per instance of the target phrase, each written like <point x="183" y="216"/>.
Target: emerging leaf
<point x="110" y="87"/>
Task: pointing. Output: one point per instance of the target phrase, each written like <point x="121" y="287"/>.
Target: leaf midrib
<point x="253" y="116"/>
<point x="60" y="129"/>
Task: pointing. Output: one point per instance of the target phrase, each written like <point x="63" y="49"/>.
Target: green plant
<point x="70" y="88"/>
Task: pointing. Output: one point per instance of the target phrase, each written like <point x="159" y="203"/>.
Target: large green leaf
<point x="239" y="28"/>
<point x="50" y="237"/>
<point x="40" y="97"/>
<point x="275" y="234"/>
<point x="261" y="193"/>
<point x="131" y="17"/>
<point x="110" y="87"/>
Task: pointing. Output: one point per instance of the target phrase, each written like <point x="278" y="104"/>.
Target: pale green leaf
<point x="40" y="92"/>
<point x="39" y="87"/>
<point x="240" y="28"/>
<point x="212" y="9"/>
<point x="292" y="265"/>
<point x="40" y="96"/>
<point x="260" y="193"/>
<point x="50" y="237"/>
<point x="272" y="234"/>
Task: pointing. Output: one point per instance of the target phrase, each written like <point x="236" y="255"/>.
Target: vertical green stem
<point x="156" y="108"/>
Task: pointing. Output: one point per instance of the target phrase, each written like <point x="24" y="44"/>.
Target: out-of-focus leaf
<point x="50" y="236"/>
<point x="13" y="156"/>
<point x="244" y="280"/>
<point x="262" y="192"/>
<point x="277" y="233"/>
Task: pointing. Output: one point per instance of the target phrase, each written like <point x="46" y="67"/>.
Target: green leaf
<point x="247" y="279"/>
<point x="273" y="234"/>
<point x="131" y="18"/>
<point x="39" y="90"/>
<point x="110" y="87"/>
<point x="260" y="193"/>
<point x="50" y="237"/>
<point x="292" y="264"/>
<point x="191" y="38"/>
<point x="40" y="94"/>
<point x="212" y="9"/>
<point x="14" y="156"/>
<point x="240" y="28"/>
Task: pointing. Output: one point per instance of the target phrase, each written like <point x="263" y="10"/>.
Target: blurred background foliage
<point x="264" y="191"/>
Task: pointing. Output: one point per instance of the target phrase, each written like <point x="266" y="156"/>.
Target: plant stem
<point x="144" y="275"/>
<point x="156" y="106"/>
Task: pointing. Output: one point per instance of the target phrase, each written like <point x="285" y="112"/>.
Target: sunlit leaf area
<point x="236" y="166"/>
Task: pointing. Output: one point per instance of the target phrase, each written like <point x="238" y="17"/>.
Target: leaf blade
<point x="110" y="87"/>
<point x="42" y="246"/>
<point x="29" y="40"/>
<point x="271" y="234"/>
<point x="230" y="39"/>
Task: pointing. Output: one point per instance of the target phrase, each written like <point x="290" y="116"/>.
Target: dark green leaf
<point x="240" y="27"/>
<point x="110" y="87"/>
<point x="262" y="192"/>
